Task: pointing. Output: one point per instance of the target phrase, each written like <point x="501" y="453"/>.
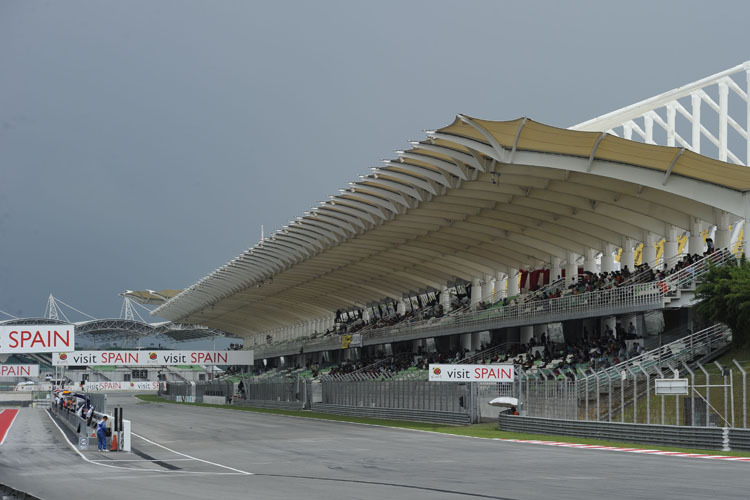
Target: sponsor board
<point x="36" y="338"/>
<point x="108" y="386"/>
<point x="471" y="373"/>
<point x="675" y="386"/>
<point x="19" y="370"/>
<point x="152" y="358"/>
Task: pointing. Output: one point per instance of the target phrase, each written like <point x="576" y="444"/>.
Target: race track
<point x="192" y="452"/>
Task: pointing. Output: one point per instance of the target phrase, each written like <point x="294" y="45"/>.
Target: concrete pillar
<point x="527" y="332"/>
<point x="571" y="269"/>
<point x="501" y="286"/>
<point x="476" y="292"/>
<point x="695" y="241"/>
<point x="589" y="260"/>
<point x="445" y="299"/>
<point x="670" y="246"/>
<point x="555" y="270"/>
<point x="512" y="282"/>
<point x="611" y="322"/>
<point x="538" y="331"/>
<point x="401" y="307"/>
<point x="476" y="342"/>
<point x="466" y="341"/>
<point x="367" y="314"/>
<point x="722" y="235"/>
<point x="608" y="258"/>
<point x="416" y="344"/>
<point x="649" y="250"/>
<point x="627" y="256"/>
<point x="488" y="290"/>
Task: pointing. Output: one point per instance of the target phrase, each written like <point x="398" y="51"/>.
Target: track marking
<point x="6" y="416"/>
<point x="521" y="441"/>
<point x="628" y="450"/>
<point x="99" y="463"/>
<point x="189" y="456"/>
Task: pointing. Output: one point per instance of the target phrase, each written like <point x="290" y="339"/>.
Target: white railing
<point x="672" y="354"/>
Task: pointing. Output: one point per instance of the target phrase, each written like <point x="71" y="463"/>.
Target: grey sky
<point x="143" y="143"/>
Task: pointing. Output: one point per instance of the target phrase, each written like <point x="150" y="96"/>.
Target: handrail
<point x="682" y="349"/>
<point x="502" y="348"/>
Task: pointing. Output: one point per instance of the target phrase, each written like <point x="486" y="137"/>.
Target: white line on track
<point x="160" y="471"/>
<point x="194" y="458"/>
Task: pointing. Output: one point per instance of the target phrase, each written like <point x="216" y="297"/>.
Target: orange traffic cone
<point x="114" y="442"/>
<point x="93" y="434"/>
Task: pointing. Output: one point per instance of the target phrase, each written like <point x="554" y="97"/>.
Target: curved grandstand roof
<point x="475" y="198"/>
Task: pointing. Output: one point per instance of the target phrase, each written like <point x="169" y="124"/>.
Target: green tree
<point x="724" y="296"/>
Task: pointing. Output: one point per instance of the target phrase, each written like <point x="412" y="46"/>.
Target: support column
<point x="555" y="271"/>
<point x="723" y="235"/>
<point x="670" y="245"/>
<point x="512" y="282"/>
<point x="488" y="290"/>
<point x="626" y="258"/>
<point x="476" y="292"/>
<point x="501" y="286"/>
<point x="466" y="341"/>
<point x="589" y="260"/>
<point x="695" y="241"/>
<point x="746" y="229"/>
<point x="608" y="258"/>
<point x="527" y="332"/>
<point x="445" y="299"/>
<point x="401" y="307"/>
<point x="476" y="342"/>
<point x="571" y="269"/>
<point x="649" y="249"/>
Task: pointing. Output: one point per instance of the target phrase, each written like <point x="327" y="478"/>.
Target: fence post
<point x="726" y="402"/>
<point x="648" y="394"/>
<point x="692" y="393"/>
<point x="623" y="376"/>
<point x="744" y="393"/>
<point x="708" y="390"/>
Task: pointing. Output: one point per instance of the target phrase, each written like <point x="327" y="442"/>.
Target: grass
<point x="486" y="430"/>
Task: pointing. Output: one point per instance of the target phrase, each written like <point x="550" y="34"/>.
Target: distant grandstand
<point x="500" y="235"/>
<point x="130" y="330"/>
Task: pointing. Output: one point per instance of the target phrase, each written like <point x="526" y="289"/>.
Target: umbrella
<point x="504" y="402"/>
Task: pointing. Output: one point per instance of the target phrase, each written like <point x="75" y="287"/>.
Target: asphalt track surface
<point x="193" y="452"/>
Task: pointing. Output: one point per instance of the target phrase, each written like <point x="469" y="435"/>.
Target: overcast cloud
<point x="143" y="143"/>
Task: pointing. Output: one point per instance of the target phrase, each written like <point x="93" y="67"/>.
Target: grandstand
<point x="488" y="234"/>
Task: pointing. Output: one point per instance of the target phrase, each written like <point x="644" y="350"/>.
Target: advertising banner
<point x="19" y="370"/>
<point x="472" y="373"/>
<point x="152" y="358"/>
<point x="36" y="338"/>
<point x="120" y="386"/>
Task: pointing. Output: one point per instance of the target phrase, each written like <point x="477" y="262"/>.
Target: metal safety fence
<point x="680" y="394"/>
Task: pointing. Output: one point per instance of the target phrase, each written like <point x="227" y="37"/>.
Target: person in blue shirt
<point x="101" y="433"/>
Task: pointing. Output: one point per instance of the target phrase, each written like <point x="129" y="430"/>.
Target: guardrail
<point x="709" y="438"/>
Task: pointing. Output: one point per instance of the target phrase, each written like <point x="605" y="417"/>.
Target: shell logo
<point x="152" y="356"/>
<point x="436" y="370"/>
<point x="63" y="356"/>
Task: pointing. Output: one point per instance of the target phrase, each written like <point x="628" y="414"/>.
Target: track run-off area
<point x="200" y="452"/>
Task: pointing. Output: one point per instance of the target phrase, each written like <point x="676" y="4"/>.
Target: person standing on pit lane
<point x="101" y="433"/>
